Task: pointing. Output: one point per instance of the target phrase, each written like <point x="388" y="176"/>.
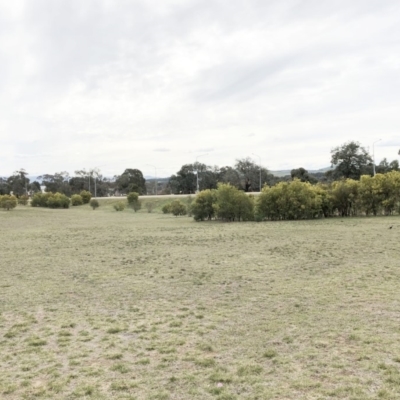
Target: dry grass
<point x="107" y="305"/>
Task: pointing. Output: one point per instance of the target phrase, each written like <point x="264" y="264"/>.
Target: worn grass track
<point x="107" y="305"/>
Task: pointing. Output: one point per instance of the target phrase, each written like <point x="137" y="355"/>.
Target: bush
<point x="94" y="204"/>
<point x="233" y="204"/>
<point x="86" y="196"/>
<point x="23" y="200"/>
<point x="120" y="206"/>
<point x="166" y="208"/>
<point x="178" y="208"/>
<point x="203" y="206"/>
<point x="150" y="207"/>
<point x="8" y="202"/>
<point x="76" y="200"/>
<point x="290" y="200"/>
<point x="50" y="200"/>
<point x="133" y="201"/>
<point x="189" y="205"/>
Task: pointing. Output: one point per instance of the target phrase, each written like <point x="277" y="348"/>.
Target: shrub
<point x="86" y="196"/>
<point x="133" y="201"/>
<point x="178" y="208"/>
<point x="290" y="200"/>
<point x="120" y="206"/>
<point x="232" y="204"/>
<point x="94" y="204"/>
<point x="150" y="207"/>
<point x="166" y="208"/>
<point x="203" y="206"/>
<point x="23" y="200"/>
<point x="76" y="200"/>
<point x="50" y="200"/>
<point x="8" y="202"/>
<point x="189" y="205"/>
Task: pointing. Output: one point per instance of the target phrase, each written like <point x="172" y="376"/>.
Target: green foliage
<point x="18" y="182"/>
<point x="232" y="204"/>
<point x="370" y="194"/>
<point x="133" y="201"/>
<point x="380" y="193"/>
<point x="303" y="175"/>
<point x="57" y="183"/>
<point x="203" y="206"/>
<point x="23" y="200"/>
<point x="149" y="206"/>
<point x="8" y="202"/>
<point x="120" y="206"/>
<point x="224" y="206"/>
<point x="302" y="200"/>
<point x="166" y="208"/>
<point x="178" y="208"/>
<point x="290" y="200"/>
<point x="345" y="197"/>
<point x="132" y="197"/>
<point x="189" y="204"/>
<point x="131" y="180"/>
<point x="86" y="196"/>
<point x="76" y="200"/>
<point x="94" y="204"/>
<point x="351" y="160"/>
<point x="50" y="200"/>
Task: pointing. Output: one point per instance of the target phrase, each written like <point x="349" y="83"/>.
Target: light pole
<point x="260" y="167"/>
<point x="373" y="153"/>
<point x="197" y="171"/>
<point x="155" y="172"/>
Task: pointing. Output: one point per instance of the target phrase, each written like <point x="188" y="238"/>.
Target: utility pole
<point x="260" y="167"/>
<point x="373" y="153"/>
<point x="197" y="172"/>
<point x="156" y="183"/>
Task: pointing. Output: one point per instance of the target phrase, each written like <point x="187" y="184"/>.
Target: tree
<point x="384" y="166"/>
<point x="230" y="175"/>
<point x="18" y="182"/>
<point x="203" y="206"/>
<point x="133" y="201"/>
<point x="185" y="179"/>
<point x="250" y="175"/>
<point x="303" y="175"/>
<point x="8" y="202"/>
<point x="4" y="187"/>
<point x="351" y="160"/>
<point x="131" y="180"/>
<point x="94" y="204"/>
<point x="57" y="183"/>
<point x="34" y="187"/>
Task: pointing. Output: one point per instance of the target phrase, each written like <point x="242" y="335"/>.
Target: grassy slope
<point x="107" y="305"/>
<point x="157" y="203"/>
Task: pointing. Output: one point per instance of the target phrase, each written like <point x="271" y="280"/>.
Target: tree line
<point x="348" y="161"/>
<point x="294" y="200"/>
<point x="92" y="181"/>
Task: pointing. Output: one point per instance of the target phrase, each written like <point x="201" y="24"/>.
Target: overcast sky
<point x="121" y="84"/>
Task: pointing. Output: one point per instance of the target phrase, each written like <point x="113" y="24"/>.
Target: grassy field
<point x="117" y="305"/>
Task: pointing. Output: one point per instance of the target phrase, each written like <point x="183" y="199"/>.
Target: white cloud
<point x="126" y="84"/>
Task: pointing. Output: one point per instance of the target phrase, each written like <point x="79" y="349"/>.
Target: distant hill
<point x="286" y="172"/>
